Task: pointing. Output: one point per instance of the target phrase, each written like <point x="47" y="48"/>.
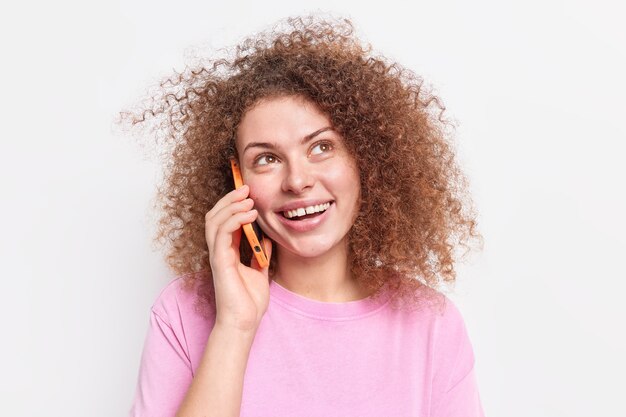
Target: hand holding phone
<point x="253" y="232"/>
<point x="241" y="287"/>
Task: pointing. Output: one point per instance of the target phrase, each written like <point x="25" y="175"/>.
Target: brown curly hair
<point x="415" y="210"/>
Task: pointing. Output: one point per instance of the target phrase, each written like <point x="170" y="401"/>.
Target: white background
<point x="539" y="94"/>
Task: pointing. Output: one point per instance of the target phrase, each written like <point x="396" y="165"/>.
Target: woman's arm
<point x="241" y="298"/>
<point x="217" y="387"/>
<point x="168" y="385"/>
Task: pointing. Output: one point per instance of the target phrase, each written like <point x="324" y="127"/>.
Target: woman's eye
<point x="321" y="148"/>
<point x="265" y="160"/>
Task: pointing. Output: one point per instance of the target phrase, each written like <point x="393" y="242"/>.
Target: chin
<point x="310" y="250"/>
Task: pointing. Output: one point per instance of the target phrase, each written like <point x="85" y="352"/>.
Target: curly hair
<point x="415" y="210"/>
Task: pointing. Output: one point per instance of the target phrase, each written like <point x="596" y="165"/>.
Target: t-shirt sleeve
<point x="455" y="389"/>
<point x="461" y="400"/>
<point x="165" y="372"/>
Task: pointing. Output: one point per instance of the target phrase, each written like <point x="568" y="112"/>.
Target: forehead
<point x="280" y="120"/>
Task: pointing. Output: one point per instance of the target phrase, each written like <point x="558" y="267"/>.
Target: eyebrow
<point x="273" y="145"/>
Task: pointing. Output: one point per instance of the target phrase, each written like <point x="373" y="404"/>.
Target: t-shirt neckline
<point x="348" y="310"/>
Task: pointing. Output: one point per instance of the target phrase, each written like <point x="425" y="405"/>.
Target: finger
<point x="224" y="214"/>
<point x="233" y="196"/>
<point x="224" y="243"/>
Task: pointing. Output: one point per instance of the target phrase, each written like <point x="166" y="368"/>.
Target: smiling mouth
<point x="306" y="212"/>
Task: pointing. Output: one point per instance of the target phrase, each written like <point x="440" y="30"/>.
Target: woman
<point x="350" y="175"/>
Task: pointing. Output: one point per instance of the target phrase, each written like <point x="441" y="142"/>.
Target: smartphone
<point x="251" y="230"/>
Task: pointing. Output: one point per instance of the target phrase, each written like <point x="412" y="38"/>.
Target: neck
<point x="324" y="278"/>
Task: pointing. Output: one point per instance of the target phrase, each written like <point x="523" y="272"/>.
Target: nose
<point x="298" y="178"/>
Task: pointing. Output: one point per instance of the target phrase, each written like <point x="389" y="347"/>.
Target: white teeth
<point x="306" y="210"/>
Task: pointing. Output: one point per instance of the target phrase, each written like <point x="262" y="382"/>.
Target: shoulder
<point x="450" y="329"/>
<point x="444" y="315"/>
<point x="177" y="301"/>
<point x="437" y="318"/>
<point x="428" y="305"/>
<point x="452" y="348"/>
<point x="449" y="316"/>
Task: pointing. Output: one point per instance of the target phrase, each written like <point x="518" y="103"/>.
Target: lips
<point x="308" y="211"/>
<point x="294" y="205"/>
<point x="307" y="223"/>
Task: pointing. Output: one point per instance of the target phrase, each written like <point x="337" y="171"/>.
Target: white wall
<point x="537" y="88"/>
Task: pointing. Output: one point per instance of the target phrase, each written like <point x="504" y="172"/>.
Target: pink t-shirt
<point x="310" y="358"/>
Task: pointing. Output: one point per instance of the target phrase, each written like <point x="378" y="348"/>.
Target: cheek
<point x="351" y="188"/>
<point x="345" y="179"/>
<point x="261" y="198"/>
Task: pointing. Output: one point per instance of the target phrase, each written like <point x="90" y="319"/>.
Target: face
<point x="304" y="183"/>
